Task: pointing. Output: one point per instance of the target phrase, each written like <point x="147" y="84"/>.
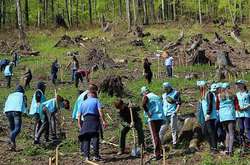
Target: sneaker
<point x="36" y="142"/>
<point x="86" y="159"/>
<point x="97" y="158"/>
<point x="12" y="147"/>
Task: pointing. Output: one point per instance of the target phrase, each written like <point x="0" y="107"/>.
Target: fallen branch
<point x="109" y="143"/>
<point x="90" y="162"/>
<point x="235" y="37"/>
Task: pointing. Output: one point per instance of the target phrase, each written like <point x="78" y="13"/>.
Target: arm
<point x="178" y="102"/>
<point x="102" y="117"/>
<point x="79" y="120"/>
<point x="217" y="103"/>
<point x="210" y="103"/>
<point x="144" y="105"/>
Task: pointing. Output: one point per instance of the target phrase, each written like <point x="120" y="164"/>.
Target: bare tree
<point x="152" y="10"/>
<point x="128" y="14"/>
<point x="90" y="12"/>
<point x="20" y="25"/>
<point x="120" y="8"/>
<point x="145" y="12"/>
<point x="200" y="18"/>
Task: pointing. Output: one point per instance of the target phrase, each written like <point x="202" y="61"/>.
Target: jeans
<point x="221" y="135"/>
<point x="169" y="71"/>
<point x="155" y="127"/>
<point x="172" y="120"/>
<point x="15" y="123"/>
<point x="73" y="74"/>
<point x="8" y="79"/>
<point x="125" y="130"/>
<point x="244" y="124"/>
<point x="92" y="138"/>
<point x="211" y="130"/>
<point x="229" y="127"/>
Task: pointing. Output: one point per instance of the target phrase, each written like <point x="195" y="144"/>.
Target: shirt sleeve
<point x="99" y="105"/>
<point x="217" y="103"/>
<point x="210" y="102"/>
<point x="178" y="98"/>
<point x="144" y="103"/>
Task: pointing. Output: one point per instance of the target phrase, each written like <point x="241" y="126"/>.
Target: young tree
<point x="120" y="8"/>
<point x="128" y="14"/>
<point x="52" y="11"/>
<point x="77" y="13"/>
<point x="20" y="25"/>
<point x="90" y="12"/>
<point x="145" y="12"/>
<point x="152" y="10"/>
<point x="27" y="12"/>
<point x="135" y="8"/>
<point x="200" y="18"/>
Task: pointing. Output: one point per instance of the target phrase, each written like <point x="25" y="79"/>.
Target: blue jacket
<point x="154" y="106"/>
<point x="8" y="71"/>
<point x="33" y="107"/>
<point x="205" y="104"/>
<point x="15" y="102"/>
<point x="227" y="109"/>
<point x="77" y="105"/>
<point x="168" y="107"/>
<point x="244" y="101"/>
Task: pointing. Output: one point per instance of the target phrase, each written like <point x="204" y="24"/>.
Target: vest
<point x="154" y="106"/>
<point x="15" y="102"/>
<point x="33" y="107"/>
<point x="169" y="108"/>
<point x="50" y="105"/>
<point x="77" y="105"/>
<point x="244" y="101"/>
<point x="204" y="103"/>
<point x="227" y="110"/>
<point x="7" y="71"/>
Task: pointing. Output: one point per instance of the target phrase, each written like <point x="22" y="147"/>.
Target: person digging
<point x="123" y="110"/>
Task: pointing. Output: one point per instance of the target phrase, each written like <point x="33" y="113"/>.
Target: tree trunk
<point x="52" y="11"/>
<point x="128" y="14"/>
<point x="113" y="7"/>
<point x="145" y="12"/>
<point x="174" y="10"/>
<point x="163" y="9"/>
<point x="77" y="13"/>
<point x="71" y="12"/>
<point x="135" y="12"/>
<point x="67" y="11"/>
<point x="120" y="8"/>
<point x="27" y="12"/>
<point x="20" y="25"/>
<point x="152" y="10"/>
<point x="200" y="18"/>
<point x="4" y="12"/>
<point x="1" y="13"/>
<point x="90" y="12"/>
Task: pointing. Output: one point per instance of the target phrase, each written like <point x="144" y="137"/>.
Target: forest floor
<point x="117" y="45"/>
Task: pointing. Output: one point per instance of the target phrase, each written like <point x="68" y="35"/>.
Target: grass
<point x="44" y="42"/>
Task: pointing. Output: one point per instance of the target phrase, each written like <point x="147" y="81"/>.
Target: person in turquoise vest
<point x="47" y="112"/>
<point x="208" y="105"/>
<point x="243" y="115"/>
<point x="171" y="106"/>
<point x="15" y="105"/>
<point x="8" y="73"/>
<point x="37" y="100"/>
<point x="152" y="105"/>
<point x="227" y="103"/>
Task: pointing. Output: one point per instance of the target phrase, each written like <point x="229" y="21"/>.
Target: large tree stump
<point x="112" y="85"/>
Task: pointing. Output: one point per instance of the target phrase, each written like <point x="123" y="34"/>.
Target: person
<point x="243" y="114"/>
<point x="8" y="73"/>
<point x="227" y="103"/>
<point x="54" y="70"/>
<point x="27" y="77"/>
<point x="82" y="97"/>
<point x="90" y="120"/>
<point x="169" y="63"/>
<point x="47" y="113"/>
<point x="80" y="74"/>
<point x="147" y="70"/>
<point x="153" y="111"/>
<point x="15" y="105"/>
<point x="74" y="67"/>
<point x="208" y="104"/>
<point x="15" y="57"/>
<point x="126" y="123"/>
<point x="37" y="100"/>
<point x="3" y="64"/>
<point x="171" y="106"/>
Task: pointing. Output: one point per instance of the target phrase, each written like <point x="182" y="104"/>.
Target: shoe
<point x="36" y="142"/>
<point x="86" y="159"/>
<point x="214" y="151"/>
<point x="97" y="158"/>
<point x="174" y="146"/>
<point x="12" y="147"/>
<point x="120" y="153"/>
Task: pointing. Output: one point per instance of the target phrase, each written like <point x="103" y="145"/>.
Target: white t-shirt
<point x="169" y="61"/>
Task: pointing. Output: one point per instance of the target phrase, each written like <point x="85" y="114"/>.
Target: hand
<point x="105" y="124"/>
<point x="131" y="125"/>
<point x="207" y="117"/>
<point x="149" y="114"/>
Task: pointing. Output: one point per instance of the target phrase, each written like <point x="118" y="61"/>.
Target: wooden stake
<point x="109" y="143"/>
<point x="57" y="155"/>
<point x="141" y="163"/>
<point x="50" y="161"/>
<point x="164" y="155"/>
<point x="90" y="162"/>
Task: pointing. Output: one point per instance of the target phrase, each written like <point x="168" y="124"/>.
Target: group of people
<point x="43" y="111"/>
<point x="220" y="110"/>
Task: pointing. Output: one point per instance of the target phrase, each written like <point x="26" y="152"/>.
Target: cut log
<point x="218" y="39"/>
<point x="233" y="35"/>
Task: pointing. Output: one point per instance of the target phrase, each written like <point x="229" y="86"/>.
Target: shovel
<point x="135" y="150"/>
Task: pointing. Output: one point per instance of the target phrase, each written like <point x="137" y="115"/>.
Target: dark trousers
<point x="155" y="127"/>
<point x="37" y="124"/>
<point x="27" y="82"/>
<point x="15" y="123"/>
<point x="8" y="79"/>
<point x="148" y="77"/>
<point x="78" y="78"/>
<point x="244" y="124"/>
<point x="211" y="132"/>
<point x="229" y="127"/>
<point x="54" y="78"/>
<point x="88" y="138"/>
<point x="221" y="135"/>
<point x="169" y="71"/>
<point x="125" y="130"/>
<point x="73" y="74"/>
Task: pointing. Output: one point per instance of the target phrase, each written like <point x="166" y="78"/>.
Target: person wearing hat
<point x="47" y="114"/>
<point x="15" y="105"/>
<point x="153" y="111"/>
<point x="37" y="99"/>
<point x="243" y="114"/>
<point x="54" y="69"/>
<point x="27" y="77"/>
<point x="90" y="121"/>
<point x="208" y="105"/>
<point x="126" y="123"/>
<point x="8" y="73"/>
<point x="169" y="63"/>
<point x="147" y="70"/>
<point x="227" y="104"/>
<point x="171" y="105"/>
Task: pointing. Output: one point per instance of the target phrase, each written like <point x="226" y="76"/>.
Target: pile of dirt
<point x="113" y="86"/>
<point x="159" y="39"/>
<point x="138" y="31"/>
<point x="67" y="41"/>
<point x="137" y="43"/>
